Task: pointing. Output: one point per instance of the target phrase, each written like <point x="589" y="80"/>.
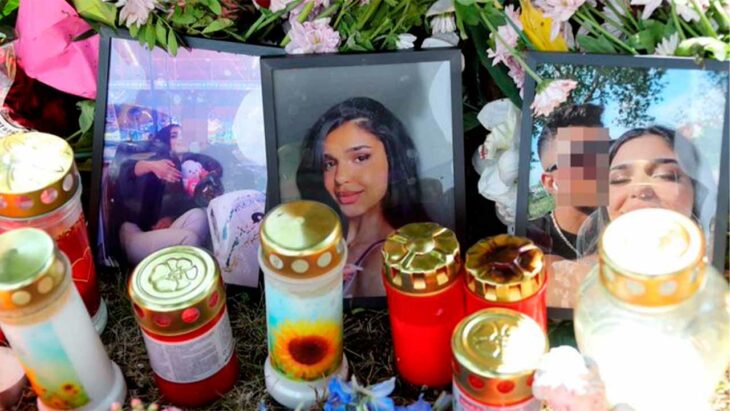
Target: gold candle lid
<point x="37" y="174"/>
<point x="504" y="268"/>
<point x="176" y="290"/>
<point x="496" y="352"/>
<point x="32" y="270"/>
<point x="302" y="239"/>
<point x="652" y="257"/>
<point x="421" y="258"/>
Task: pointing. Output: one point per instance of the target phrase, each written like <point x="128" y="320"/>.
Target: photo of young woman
<point x="359" y="159"/>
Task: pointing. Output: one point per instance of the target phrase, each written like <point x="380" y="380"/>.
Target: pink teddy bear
<point x="192" y="173"/>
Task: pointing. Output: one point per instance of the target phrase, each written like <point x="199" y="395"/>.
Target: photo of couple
<point x="629" y="138"/>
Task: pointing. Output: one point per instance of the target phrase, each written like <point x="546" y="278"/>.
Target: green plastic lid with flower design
<point x="176" y="290"/>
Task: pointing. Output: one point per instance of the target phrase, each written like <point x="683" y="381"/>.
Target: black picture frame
<point x="535" y="59"/>
<point x="108" y="36"/>
<point x="272" y="66"/>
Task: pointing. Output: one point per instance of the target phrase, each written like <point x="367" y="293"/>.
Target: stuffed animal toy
<point x="192" y="173"/>
<point x="234" y="219"/>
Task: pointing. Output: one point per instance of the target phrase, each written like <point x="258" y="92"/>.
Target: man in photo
<point x="568" y="146"/>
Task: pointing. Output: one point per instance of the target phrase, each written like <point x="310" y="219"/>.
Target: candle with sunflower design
<point x="302" y="256"/>
<point x="49" y="329"/>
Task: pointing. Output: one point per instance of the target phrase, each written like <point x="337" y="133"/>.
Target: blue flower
<point x="339" y="395"/>
<point x="419" y="405"/>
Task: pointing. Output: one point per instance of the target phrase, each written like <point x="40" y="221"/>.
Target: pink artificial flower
<point x="318" y="7"/>
<point x="136" y="11"/>
<point x="559" y="11"/>
<point x="517" y="73"/>
<point x="312" y="37"/>
<point x="501" y="53"/>
<point x="551" y="95"/>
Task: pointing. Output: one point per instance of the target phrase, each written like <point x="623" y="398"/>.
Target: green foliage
<point x="82" y="139"/>
<point x="97" y="10"/>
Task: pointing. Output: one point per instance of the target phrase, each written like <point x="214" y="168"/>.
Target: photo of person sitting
<point x="173" y="185"/>
<point x="359" y="159"/>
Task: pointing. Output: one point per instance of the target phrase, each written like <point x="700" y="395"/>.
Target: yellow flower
<point x="307" y="350"/>
<point x="537" y="29"/>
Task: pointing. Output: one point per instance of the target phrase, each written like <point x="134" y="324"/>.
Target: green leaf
<point x="149" y="34"/>
<point x="10" y="6"/>
<point x="96" y="10"/>
<point x="182" y="18"/>
<point x="218" y="25"/>
<point x="470" y="121"/>
<point x="86" y="119"/>
<point x="161" y="32"/>
<point x="599" y="45"/>
<point x="469" y="14"/>
<point x="214" y="6"/>
<point x="172" y="42"/>
<point x="134" y="30"/>
<point x="465" y="2"/>
<point x="480" y="36"/>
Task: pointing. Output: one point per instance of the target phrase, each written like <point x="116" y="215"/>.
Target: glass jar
<point x="302" y="256"/>
<point x="496" y="352"/>
<point x="654" y="315"/>
<point x="425" y="291"/>
<point x="41" y="188"/>
<point x="509" y="272"/>
<point x="179" y="301"/>
<point x="49" y="329"/>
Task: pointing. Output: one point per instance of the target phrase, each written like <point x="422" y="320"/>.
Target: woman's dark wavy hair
<point x="163" y="136"/>
<point x="402" y="202"/>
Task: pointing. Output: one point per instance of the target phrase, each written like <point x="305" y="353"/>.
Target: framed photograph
<point x="377" y="137"/>
<point x="179" y="152"/>
<point x="634" y="133"/>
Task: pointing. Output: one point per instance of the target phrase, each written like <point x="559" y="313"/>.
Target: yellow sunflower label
<point x="305" y="334"/>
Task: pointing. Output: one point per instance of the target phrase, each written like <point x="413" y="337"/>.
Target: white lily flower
<point x="405" y="41"/>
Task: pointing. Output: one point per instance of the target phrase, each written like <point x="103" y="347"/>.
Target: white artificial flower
<point x="442" y="17"/>
<point x="136" y="12"/>
<point x="649" y="7"/>
<point x="501" y="118"/>
<point x="560" y="11"/>
<point x="441" y="40"/>
<point x="668" y="45"/>
<point x="405" y="41"/>
<point x="686" y="8"/>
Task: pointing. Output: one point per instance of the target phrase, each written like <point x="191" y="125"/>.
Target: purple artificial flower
<point x="312" y="37"/>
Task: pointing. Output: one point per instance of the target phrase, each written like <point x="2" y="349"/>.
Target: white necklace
<point x="562" y="236"/>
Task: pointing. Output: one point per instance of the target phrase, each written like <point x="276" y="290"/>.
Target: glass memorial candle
<point x="423" y="283"/>
<point x="49" y="329"/>
<point x="654" y="315"/>
<point x="302" y="256"/>
<point x="179" y="301"/>
<point x="496" y="352"/>
<point x="40" y="187"/>
<point x="506" y="271"/>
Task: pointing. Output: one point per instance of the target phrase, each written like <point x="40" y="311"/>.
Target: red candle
<point x="506" y="272"/>
<point x="179" y="301"/>
<point x="41" y="188"/>
<point x="424" y="285"/>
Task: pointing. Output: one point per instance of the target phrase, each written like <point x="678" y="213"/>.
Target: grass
<point x="367" y="346"/>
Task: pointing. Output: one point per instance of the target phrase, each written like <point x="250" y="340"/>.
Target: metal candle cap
<point x="176" y="290"/>
<point x="31" y="270"/>
<point x="652" y="257"/>
<point x="421" y="258"/>
<point x="496" y="352"/>
<point x="302" y="239"/>
<point x="504" y="268"/>
<point x="37" y="174"/>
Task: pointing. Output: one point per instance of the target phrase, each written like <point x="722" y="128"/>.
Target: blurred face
<point x="645" y="173"/>
<point x="176" y="141"/>
<point x="355" y="169"/>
